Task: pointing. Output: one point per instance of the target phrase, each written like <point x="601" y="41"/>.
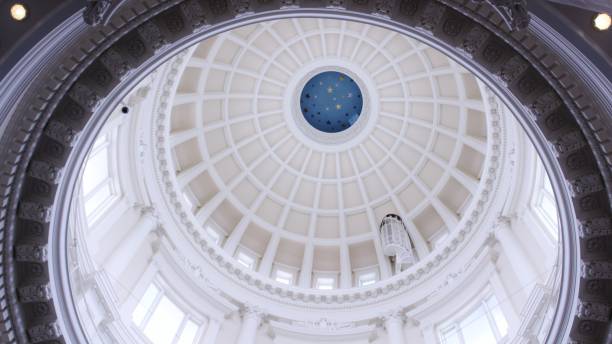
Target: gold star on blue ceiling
<point x="331" y="102"/>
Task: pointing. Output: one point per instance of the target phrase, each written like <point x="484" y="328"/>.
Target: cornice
<point x="530" y="75"/>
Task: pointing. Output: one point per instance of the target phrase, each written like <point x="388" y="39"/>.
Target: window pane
<point x="440" y="239"/>
<point x="188" y="202"/>
<point x="96" y="171"/>
<point x="367" y="283"/>
<point x="547" y="185"/>
<point x="476" y="328"/>
<point x="245" y="260"/>
<point x="144" y="304"/>
<point x="102" y="139"/>
<point x="325" y="283"/>
<point x="451" y="336"/>
<point x="284" y="277"/>
<point x="500" y="321"/>
<point x="367" y="279"/>
<point x="549" y="207"/>
<point x="213" y="235"/>
<point x="188" y="335"/>
<point x="498" y="316"/>
<point x="164" y="323"/>
<point x="97" y="199"/>
<point x="283" y="280"/>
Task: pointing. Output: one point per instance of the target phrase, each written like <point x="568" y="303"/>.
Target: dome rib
<point x="413" y="157"/>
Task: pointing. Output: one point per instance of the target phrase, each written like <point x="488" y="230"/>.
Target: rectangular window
<point x="544" y="204"/>
<point x="283" y="277"/>
<point x="164" y="323"/>
<point x="439" y="238"/>
<point x="451" y="336"/>
<point x="484" y="324"/>
<point x="96" y="170"/>
<point x="145" y="304"/>
<point x="245" y="260"/>
<point x="161" y="321"/>
<point x="97" y="178"/>
<point x="476" y="328"/>
<point x="213" y="235"/>
<point x="96" y="200"/>
<point x="189" y="333"/>
<point x="188" y="202"/>
<point x="548" y="213"/>
<point x="325" y="283"/>
<point x="501" y="324"/>
<point x="367" y="278"/>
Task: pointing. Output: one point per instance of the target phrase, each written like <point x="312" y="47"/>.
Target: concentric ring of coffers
<point x="423" y="157"/>
<point x="252" y="216"/>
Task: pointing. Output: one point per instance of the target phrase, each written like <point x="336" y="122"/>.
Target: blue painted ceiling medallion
<point x="331" y="102"/>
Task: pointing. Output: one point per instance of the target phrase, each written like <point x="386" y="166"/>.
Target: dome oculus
<point x="331" y="102"/>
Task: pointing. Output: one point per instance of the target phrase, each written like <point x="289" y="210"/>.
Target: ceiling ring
<point x="530" y="82"/>
<point x="326" y="142"/>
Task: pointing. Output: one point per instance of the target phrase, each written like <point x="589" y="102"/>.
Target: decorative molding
<point x="346" y="135"/>
<point x="597" y="227"/>
<point x="594" y="311"/>
<point x="67" y="93"/>
<point x="513" y="12"/>
<point x="248" y="310"/>
<point x="264" y="285"/>
<point x="397" y="315"/>
<point x="324" y="324"/>
<point x="98" y="12"/>
<point x="596" y="270"/>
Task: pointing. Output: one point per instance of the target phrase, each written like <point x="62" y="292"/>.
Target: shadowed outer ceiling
<point x="245" y="171"/>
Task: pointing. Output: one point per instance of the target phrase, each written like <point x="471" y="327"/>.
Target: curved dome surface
<point x="270" y="185"/>
<point x="236" y="212"/>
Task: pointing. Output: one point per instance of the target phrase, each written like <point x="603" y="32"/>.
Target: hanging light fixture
<point x="396" y="241"/>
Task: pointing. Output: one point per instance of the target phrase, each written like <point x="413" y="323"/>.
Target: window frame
<point x="454" y="325"/>
<point x="109" y="148"/>
<point x="278" y="270"/>
<point x="191" y="202"/>
<point x="325" y="275"/>
<point x="439" y="237"/>
<point x="241" y="250"/>
<point x="188" y="314"/>
<point x="213" y="234"/>
<point x="359" y="273"/>
<point x="214" y="227"/>
<point x="543" y="192"/>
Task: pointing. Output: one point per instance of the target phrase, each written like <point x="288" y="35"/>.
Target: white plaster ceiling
<point x="243" y="166"/>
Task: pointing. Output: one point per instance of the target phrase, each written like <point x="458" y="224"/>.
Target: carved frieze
<point x="35" y="293"/>
<point x="44" y="332"/>
<point x="513" y="12"/>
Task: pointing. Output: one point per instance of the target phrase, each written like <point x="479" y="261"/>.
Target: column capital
<point x="505" y="220"/>
<point x="428" y="326"/>
<point x="396" y="315"/>
<point x="492" y="241"/>
<point x="251" y="311"/>
<point x="394" y="324"/>
<point x="502" y="224"/>
<point x="146" y="210"/>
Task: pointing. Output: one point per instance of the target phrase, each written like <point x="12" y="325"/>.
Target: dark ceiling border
<point x="44" y="128"/>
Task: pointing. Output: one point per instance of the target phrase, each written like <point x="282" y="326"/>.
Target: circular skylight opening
<point x="331" y="102"/>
